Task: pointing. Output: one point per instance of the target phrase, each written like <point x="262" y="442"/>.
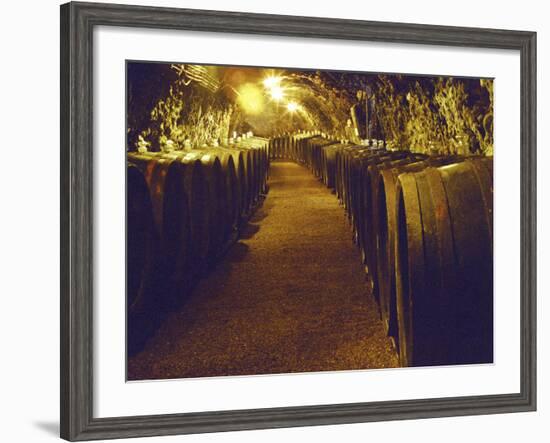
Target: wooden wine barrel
<point x="257" y="146"/>
<point x="367" y="218"/>
<point x="214" y="176"/>
<point x="297" y="147"/>
<point x="248" y="165"/>
<point x="141" y="239"/>
<point x="261" y="146"/>
<point x="144" y="288"/>
<point x="357" y="162"/>
<point x="283" y="147"/>
<point x="290" y="146"/>
<point x="292" y="143"/>
<point x="266" y="172"/>
<point x="238" y="158"/>
<point x="358" y="200"/>
<point x="254" y="175"/>
<point x="232" y="197"/>
<point x="307" y="146"/>
<point x="341" y="178"/>
<point x="256" y="168"/>
<point x="310" y="147"/>
<point x="292" y="140"/>
<point x="197" y="189"/>
<point x="330" y="156"/>
<point x="350" y="173"/>
<point x="240" y="162"/>
<point x="175" y="235"/>
<point x="241" y="173"/>
<point x="359" y="195"/>
<point x="385" y="160"/>
<point x="385" y="183"/>
<point x="301" y="148"/>
<point x="339" y="173"/>
<point x="319" y="162"/>
<point x="274" y="147"/>
<point x="444" y="264"/>
<point x="265" y="168"/>
<point x="312" y="150"/>
<point x="171" y="217"/>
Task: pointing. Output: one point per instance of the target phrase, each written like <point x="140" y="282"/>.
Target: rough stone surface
<point x="290" y="296"/>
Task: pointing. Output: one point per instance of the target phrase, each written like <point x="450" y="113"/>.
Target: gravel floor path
<point x="290" y="296"/>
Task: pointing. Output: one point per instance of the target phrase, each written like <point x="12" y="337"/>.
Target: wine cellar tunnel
<point x="291" y="221"/>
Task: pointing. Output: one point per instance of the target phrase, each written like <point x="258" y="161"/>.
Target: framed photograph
<point x="274" y="221"/>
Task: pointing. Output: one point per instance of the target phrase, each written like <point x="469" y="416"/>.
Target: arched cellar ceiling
<point x="182" y="105"/>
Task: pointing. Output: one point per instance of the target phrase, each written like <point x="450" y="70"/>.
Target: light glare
<point x="276" y="93"/>
<point x="292" y="106"/>
<point x="251" y="99"/>
<point x="272" y="81"/>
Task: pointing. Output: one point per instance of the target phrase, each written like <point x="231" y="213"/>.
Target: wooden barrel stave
<point x="409" y="264"/>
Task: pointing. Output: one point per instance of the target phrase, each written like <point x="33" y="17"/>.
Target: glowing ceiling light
<point x="272" y="81"/>
<point x="292" y="106"/>
<point x="276" y="93"/>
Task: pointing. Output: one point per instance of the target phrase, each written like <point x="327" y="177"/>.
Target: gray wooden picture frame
<point x="77" y="24"/>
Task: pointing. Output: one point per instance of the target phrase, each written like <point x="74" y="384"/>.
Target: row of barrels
<point x="184" y="209"/>
<point x="423" y="225"/>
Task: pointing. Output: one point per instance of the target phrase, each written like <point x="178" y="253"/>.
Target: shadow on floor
<point x="237" y="253"/>
<point x="49" y="427"/>
<point x="249" y="231"/>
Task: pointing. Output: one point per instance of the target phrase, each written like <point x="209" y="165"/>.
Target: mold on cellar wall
<point x="174" y="106"/>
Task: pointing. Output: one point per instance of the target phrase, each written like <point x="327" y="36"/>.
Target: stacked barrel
<point x="289" y="146"/>
<point x="184" y="209"/>
<point x="423" y="225"/>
